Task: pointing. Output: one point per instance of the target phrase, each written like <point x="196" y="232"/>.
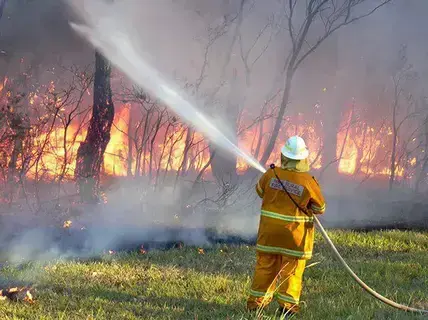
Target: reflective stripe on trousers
<point x="278" y="250"/>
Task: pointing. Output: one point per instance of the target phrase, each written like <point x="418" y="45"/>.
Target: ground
<point x="191" y="283"/>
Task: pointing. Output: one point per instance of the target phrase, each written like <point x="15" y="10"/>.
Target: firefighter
<point x="286" y="234"/>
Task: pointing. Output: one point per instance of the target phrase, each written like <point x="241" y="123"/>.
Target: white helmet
<point x="295" y="148"/>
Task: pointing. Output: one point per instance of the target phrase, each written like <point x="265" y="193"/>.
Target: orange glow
<point x="116" y="151"/>
<point x="3" y="84"/>
<point x="346" y="150"/>
<point x="53" y="161"/>
<point x="361" y="149"/>
<point x="307" y="130"/>
<point x="358" y="149"/>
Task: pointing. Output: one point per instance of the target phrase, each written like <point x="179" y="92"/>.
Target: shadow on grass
<point x="152" y="307"/>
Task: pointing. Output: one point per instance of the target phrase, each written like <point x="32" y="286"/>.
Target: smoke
<point x="134" y="215"/>
<point x="177" y="47"/>
<point x="179" y="39"/>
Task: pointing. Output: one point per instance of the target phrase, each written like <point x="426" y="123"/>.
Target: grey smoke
<point x="176" y="34"/>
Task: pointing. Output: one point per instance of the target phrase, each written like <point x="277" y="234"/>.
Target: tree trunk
<point x="182" y="171"/>
<point x="12" y="173"/>
<point x="394" y="140"/>
<point x="130" y="142"/>
<point x="260" y="137"/>
<point x="91" y="152"/>
<point x="223" y="165"/>
<point x="393" y="166"/>
<point x="152" y="143"/>
<point x="285" y="98"/>
<point x="20" y="125"/>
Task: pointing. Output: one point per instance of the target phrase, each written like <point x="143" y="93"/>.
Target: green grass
<point x="183" y="284"/>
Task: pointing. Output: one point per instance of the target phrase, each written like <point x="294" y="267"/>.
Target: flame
<point x="3" y="84"/>
<point x="364" y="149"/>
<point x="116" y="150"/>
<point x="67" y="224"/>
<point x="59" y="156"/>
<point x="361" y="149"/>
<point x="17" y="294"/>
<point x="307" y="130"/>
<point x="356" y="149"/>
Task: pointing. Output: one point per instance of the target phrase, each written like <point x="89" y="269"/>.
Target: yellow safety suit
<point x="286" y="234"/>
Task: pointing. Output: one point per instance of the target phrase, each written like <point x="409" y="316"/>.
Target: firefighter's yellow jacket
<point x="284" y="229"/>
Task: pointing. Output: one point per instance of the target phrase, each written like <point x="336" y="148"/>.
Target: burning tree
<point x="39" y="129"/>
<point x="91" y="151"/>
<point x="301" y="18"/>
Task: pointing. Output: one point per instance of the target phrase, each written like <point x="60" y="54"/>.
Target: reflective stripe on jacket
<point x="284" y="229"/>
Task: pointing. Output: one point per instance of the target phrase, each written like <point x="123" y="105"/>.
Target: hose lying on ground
<point x="343" y="262"/>
<point x="358" y="280"/>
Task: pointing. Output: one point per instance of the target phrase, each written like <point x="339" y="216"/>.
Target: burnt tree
<point x="223" y="165"/>
<point x="91" y="152"/>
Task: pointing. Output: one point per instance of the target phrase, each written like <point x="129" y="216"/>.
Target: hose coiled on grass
<point x="343" y="262"/>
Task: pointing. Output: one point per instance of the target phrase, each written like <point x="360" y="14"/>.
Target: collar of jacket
<point x="295" y="165"/>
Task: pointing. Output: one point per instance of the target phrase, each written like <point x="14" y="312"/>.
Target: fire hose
<point x="343" y="262"/>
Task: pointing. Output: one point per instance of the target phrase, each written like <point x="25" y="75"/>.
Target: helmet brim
<point x="301" y="156"/>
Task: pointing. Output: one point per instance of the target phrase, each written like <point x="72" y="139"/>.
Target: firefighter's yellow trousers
<point x="276" y="276"/>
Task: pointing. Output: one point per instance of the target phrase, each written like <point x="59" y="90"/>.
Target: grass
<point x="185" y="284"/>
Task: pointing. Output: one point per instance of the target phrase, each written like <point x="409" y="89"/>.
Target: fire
<point x="61" y="145"/>
<point x="17" y="294"/>
<point x="117" y="148"/>
<point x="364" y="149"/>
<point x="67" y="224"/>
<point x="59" y="156"/>
<point x="249" y="141"/>
<point x="3" y="84"/>
<point x="356" y="149"/>
<point x="361" y="149"/>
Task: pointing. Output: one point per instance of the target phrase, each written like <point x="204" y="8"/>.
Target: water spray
<point x="118" y="48"/>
